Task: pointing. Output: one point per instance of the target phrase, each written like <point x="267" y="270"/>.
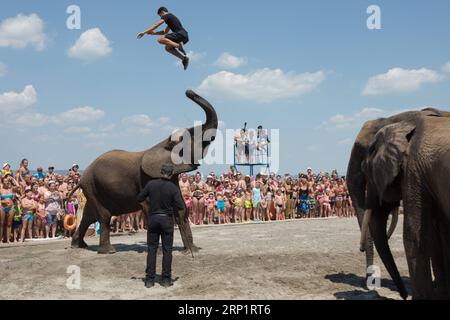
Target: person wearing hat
<point x="6" y="169"/>
<point x="163" y="197"/>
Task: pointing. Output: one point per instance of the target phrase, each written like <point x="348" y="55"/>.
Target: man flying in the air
<point x="172" y="41"/>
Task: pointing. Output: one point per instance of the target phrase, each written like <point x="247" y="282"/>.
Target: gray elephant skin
<point x="396" y="163"/>
<point x="356" y="180"/>
<point x="113" y="181"/>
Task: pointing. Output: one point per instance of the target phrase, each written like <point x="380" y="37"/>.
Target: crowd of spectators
<point x="32" y="204"/>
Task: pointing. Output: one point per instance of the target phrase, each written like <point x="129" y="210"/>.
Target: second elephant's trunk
<point x="377" y="227"/>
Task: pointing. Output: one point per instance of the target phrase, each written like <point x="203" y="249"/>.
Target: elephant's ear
<point x="154" y="158"/>
<point x="386" y="154"/>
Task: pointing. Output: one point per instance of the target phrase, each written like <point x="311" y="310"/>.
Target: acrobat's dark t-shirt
<point x="173" y="23"/>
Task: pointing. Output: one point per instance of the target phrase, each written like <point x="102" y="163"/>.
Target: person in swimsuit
<point x="198" y="202"/>
<point x="279" y="205"/>
<point x="188" y="202"/>
<point x="239" y="209"/>
<point x="227" y="204"/>
<point x="17" y="221"/>
<point x="52" y="206"/>
<point x="40" y="219"/>
<point x="248" y="206"/>
<point x="264" y="209"/>
<point x="220" y="208"/>
<point x="256" y="201"/>
<point x="7" y="197"/>
<point x="172" y="41"/>
<point x="304" y="206"/>
<point x="210" y="207"/>
<point x="28" y="210"/>
<point x="312" y="205"/>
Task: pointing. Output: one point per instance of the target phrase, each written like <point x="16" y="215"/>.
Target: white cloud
<point x="13" y="101"/>
<point x="17" y="106"/>
<point x="400" y="80"/>
<point x="356" y="120"/>
<point x="30" y="119"/>
<point x="446" y="67"/>
<point x="91" y="45"/>
<point x="341" y="121"/>
<point x="228" y="61"/>
<point x="3" y="69"/>
<point x="142" y="124"/>
<point x="107" y="128"/>
<point x="193" y="57"/>
<point x="81" y="114"/>
<point x="22" y="31"/>
<point x="140" y="120"/>
<point x="264" y="85"/>
<point x="77" y="130"/>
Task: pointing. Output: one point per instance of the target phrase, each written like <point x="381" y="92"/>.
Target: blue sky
<point x="311" y="69"/>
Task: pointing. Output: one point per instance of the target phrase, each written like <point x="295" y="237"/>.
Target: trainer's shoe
<point x="185" y="62"/>
<point x="181" y="48"/>
<point x="166" y="283"/>
<point x="149" y="283"/>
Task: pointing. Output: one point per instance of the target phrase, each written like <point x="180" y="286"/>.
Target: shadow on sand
<point x="360" y="282"/>
<point x="139" y="247"/>
<point x="158" y="279"/>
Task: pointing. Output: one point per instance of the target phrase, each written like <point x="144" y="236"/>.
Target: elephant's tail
<point x="66" y="202"/>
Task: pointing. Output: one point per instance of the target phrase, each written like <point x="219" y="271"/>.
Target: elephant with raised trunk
<point x="113" y="181"/>
<point x="410" y="161"/>
<point x="356" y="180"/>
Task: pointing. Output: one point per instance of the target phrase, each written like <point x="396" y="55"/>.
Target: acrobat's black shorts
<point x="178" y="37"/>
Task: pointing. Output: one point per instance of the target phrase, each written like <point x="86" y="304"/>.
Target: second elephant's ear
<point x="386" y="154"/>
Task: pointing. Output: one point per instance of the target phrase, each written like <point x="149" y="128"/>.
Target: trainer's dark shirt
<point x="163" y="196"/>
<point x="172" y="22"/>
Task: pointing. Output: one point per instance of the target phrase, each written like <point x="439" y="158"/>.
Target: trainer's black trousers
<point x="159" y="225"/>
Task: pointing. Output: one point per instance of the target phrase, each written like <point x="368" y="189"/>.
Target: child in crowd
<point x="238" y="205"/>
<point x="210" y="207"/>
<point x="221" y="208"/>
<point x="248" y="206"/>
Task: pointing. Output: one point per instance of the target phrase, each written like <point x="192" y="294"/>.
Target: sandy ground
<point x="307" y="259"/>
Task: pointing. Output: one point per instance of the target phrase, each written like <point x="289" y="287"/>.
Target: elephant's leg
<point x="86" y="221"/>
<point x="185" y="231"/>
<point x="438" y="262"/>
<point x="440" y="257"/>
<point x="416" y="236"/>
<point x="104" y="219"/>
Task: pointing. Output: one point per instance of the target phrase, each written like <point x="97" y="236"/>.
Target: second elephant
<point x="410" y="161"/>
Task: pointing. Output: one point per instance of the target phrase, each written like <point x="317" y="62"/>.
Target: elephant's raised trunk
<point x="211" y="115"/>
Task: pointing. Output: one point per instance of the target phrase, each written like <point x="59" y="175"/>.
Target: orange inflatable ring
<point x="70" y="227"/>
